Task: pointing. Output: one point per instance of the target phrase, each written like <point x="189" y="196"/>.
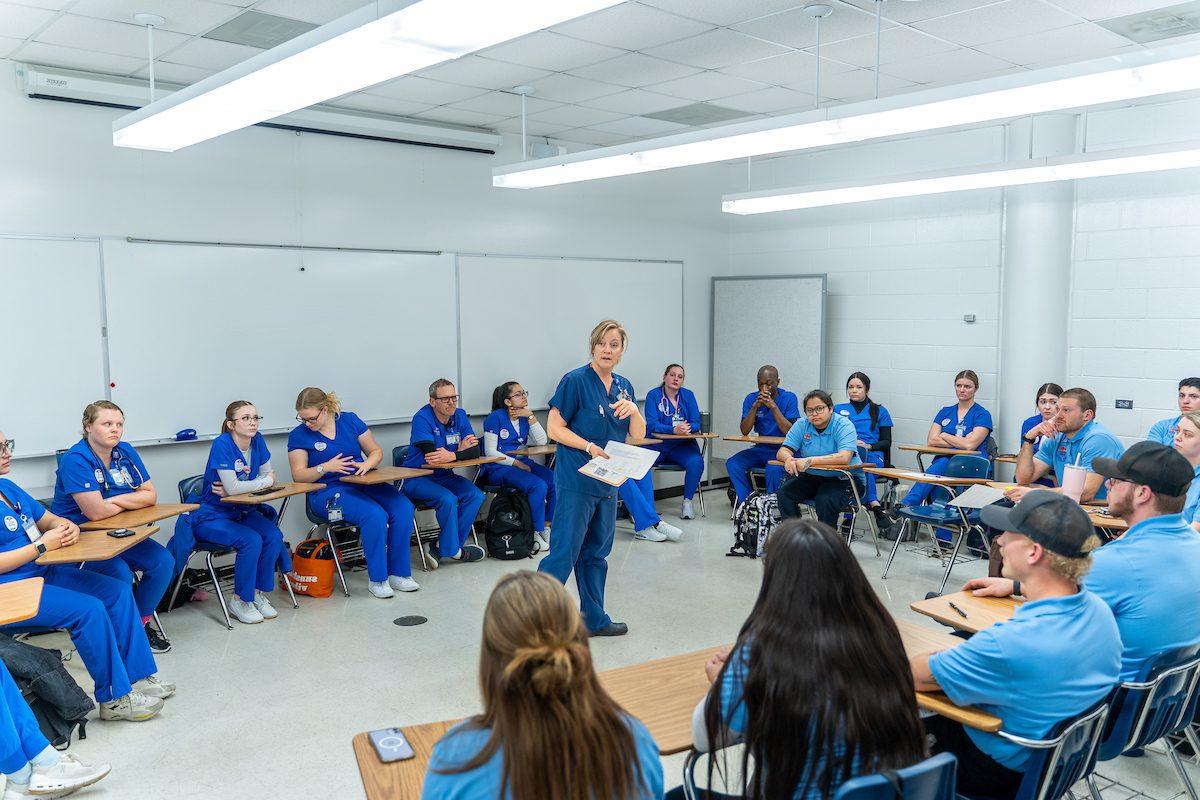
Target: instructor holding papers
<point x="591" y="406"/>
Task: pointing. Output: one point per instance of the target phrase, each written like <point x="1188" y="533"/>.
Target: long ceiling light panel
<point x="1127" y="161"/>
<point x="377" y="43"/>
<point x="1105" y="80"/>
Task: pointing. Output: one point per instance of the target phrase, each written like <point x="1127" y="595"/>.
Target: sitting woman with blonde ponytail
<point x="548" y="730"/>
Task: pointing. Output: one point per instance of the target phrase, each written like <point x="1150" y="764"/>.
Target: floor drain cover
<point x="408" y="622"/>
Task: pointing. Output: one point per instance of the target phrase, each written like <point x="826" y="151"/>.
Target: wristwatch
<point x="320" y="469"/>
<point x="41" y="547"/>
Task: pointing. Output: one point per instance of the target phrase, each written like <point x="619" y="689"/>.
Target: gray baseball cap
<point x="1054" y="521"/>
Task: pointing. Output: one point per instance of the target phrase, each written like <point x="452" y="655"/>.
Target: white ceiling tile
<point x="958" y="65"/>
<point x="192" y="17"/>
<point x="457" y="116"/>
<point x="575" y="116"/>
<point x="706" y="86"/>
<point x="926" y="9"/>
<point x="635" y="101"/>
<point x="856" y="85"/>
<point x="796" y="29"/>
<point x="634" y="70"/>
<point x="640" y="126"/>
<point x="424" y="90"/>
<point x="361" y="101"/>
<point x="54" y="5"/>
<point x="632" y="27"/>
<point x="894" y="44"/>
<point x="996" y="22"/>
<point x="716" y="49"/>
<point x="486" y="73"/>
<point x="593" y="137"/>
<point x="174" y="73"/>
<point x="87" y="33"/>
<point x="1106" y="9"/>
<point x="7" y="45"/>
<point x="771" y="99"/>
<point x="210" y="54"/>
<point x="532" y="128"/>
<point x="550" y="51"/>
<point x="21" y="22"/>
<point x="87" y="60"/>
<point x="570" y="89"/>
<point x="316" y="11"/>
<point x="504" y="104"/>
<point x="1074" y="43"/>
<point x="786" y="69"/>
<point x="724" y="12"/>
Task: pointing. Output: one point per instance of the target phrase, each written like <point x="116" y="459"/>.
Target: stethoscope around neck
<point x="119" y="462"/>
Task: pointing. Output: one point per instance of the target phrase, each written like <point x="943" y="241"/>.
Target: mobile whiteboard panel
<point x="528" y="319"/>
<point x="192" y="328"/>
<point x="777" y="320"/>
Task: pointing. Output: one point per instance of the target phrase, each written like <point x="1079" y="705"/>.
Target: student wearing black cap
<point x="1046" y="545"/>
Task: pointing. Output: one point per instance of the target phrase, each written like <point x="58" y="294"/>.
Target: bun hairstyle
<point x="551" y="669"/>
<point x="92" y="412"/>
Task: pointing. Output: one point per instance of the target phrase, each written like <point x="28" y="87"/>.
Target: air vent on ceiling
<point x="256" y="29"/>
<point x="1154" y="26"/>
<point x="698" y="114"/>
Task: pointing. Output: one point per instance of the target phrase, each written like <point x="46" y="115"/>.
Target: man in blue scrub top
<point x="1003" y="669"/>
<point x="768" y="412"/>
<point x="1164" y="430"/>
<point x="1073" y="436"/>
<point x="822" y="438"/>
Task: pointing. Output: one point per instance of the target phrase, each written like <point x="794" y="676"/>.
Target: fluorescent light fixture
<point x="1126" y="161"/>
<point x="1106" y="80"/>
<point x="377" y="43"/>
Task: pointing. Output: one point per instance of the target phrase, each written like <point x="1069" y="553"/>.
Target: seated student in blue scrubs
<point x="1073" y="437"/>
<point x="1046" y="544"/>
<point x="441" y="433"/>
<point x="1187" y="442"/>
<point x="821" y="439"/>
<point x="965" y="425"/>
<point x="512" y="426"/>
<point x="99" y="477"/>
<point x="817" y="634"/>
<point x="329" y="443"/>
<point x="672" y="408"/>
<point x="872" y="425"/>
<point x="770" y="411"/>
<point x="239" y="462"/>
<point x="1047" y="406"/>
<point x="97" y="610"/>
<point x="1163" y="431"/>
<point x="548" y="728"/>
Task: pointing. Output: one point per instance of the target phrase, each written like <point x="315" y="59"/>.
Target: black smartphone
<point x="391" y="745"/>
<point x="268" y="490"/>
<point x="120" y="533"/>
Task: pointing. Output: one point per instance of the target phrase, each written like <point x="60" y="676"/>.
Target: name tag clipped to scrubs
<point x="30" y="528"/>
<point x="452" y="439"/>
<point x="333" y="508"/>
<point x="119" y="476"/>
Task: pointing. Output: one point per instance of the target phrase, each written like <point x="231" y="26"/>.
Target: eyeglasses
<point x="258" y="418"/>
<point x="450" y="398"/>
<point x="812" y="412"/>
<point x="8" y="447"/>
<point x="309" y="420"/>
<point x="515" y="395"/>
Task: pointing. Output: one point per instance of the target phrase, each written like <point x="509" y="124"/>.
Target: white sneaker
<point x="135" y="707"/>
<point x="688" y="512"/>
<point x="380" y="589"/>
<point x="650" y="535"/>
<point x="244" y="612"/>
<point x="70" y="774"/>
<point x="263" y="604"/>
<point x="403" y="584"/>
<point x="543" y="541"/>
<point x="669" y="530"/>
<point x="153" y="687"/>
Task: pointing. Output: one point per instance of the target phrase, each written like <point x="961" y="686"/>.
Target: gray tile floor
<point x="267" y="709"/>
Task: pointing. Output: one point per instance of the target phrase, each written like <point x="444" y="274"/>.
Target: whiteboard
<point x="777" y="320"/>
<point x="53" y="330"/>
<point x="528" y="320"/>
<point x="377" y="328"/>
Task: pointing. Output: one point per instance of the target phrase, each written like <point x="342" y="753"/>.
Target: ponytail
<point x="872" y="406"/>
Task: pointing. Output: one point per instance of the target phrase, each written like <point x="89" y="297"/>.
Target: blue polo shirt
<point x="805" y="440"/>
<point x="1005" y="670"/>
<point x="1148" y="578"/>
<point x="661" y="412"/>
<point x="862" y="421"/>
<point x="18" y="527"/>
<point x="1164" y="431"/>
<point x="583" y="403"/>
<point x="1089" y="442"/>
<point x="426" y="427"/>
<point x="976" y="417"/>
<point x="320" y="448"/>
<point x="1191" y="510"/>
<point x="764" y="418"/>
<point x="81" y="470"/>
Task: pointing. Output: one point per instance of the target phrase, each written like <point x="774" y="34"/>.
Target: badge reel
<point x="30" y="528"/>
<point x="333" y="508"/>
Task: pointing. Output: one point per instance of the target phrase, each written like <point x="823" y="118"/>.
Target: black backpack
<point x="508" y="531"/>
<point x="57" y="702"/>
<point x="753" y="522"/>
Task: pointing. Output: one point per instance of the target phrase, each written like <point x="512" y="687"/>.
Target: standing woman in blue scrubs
<point x="671" y="408"/>
<point x="99" y="477"/>
<point x="512" y="426"/>
<point x="872" y="423"/>
<point x="592" y="405"/>
<point x="964" y="425"/>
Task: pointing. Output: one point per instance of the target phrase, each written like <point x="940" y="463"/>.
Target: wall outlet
<point x="1125" y="404"/>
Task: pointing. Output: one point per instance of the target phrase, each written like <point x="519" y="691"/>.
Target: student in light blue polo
<point x="1164" y="430"/>
<point x="820" y="439"/>
<point x="1187" y="442"/>
<point x="1046" y="545"/>
<point x="770" y="411"/>
<point x="1074" y="437"/>
<point x="966" y="425"/>
<point x="672" y="409"/>
<point x="512" y="426"/>
<point x="873" y="425"/>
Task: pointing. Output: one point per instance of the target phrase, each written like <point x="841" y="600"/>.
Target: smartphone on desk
<point x="391" y="745"/>
<point x="268" y="490"/>
<point x="120" y="533"/>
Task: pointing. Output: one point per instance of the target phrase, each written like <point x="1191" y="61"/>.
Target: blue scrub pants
<point x="686" y="455"/>
<point x="874" y="458"/>
<point x="584" y="526"/>
<point x="385" y="521"/>
<point x="21" y="740"/>
<point x="100" y="614"/>
<point x="920" y="492"/>
<point x="757" y="456"/>
<point x="537" y="484"/>
<point x="151" y="559"/>
<point x="256" y="539"/>
<point x="455" y="501"/>
<point x="638" y="497"/>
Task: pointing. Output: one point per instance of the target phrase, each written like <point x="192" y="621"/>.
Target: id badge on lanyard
<point x="30" y="528"/>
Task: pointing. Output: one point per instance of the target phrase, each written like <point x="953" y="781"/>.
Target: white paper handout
<point x="624" y="462"/>
<point x="978" y="496"/>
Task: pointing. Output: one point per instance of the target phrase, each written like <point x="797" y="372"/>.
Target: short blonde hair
<point x="602" y="329"/>
<point x="92" y="412"/>
<point x="1074" y="569"/>
<point x="312" y="397"/>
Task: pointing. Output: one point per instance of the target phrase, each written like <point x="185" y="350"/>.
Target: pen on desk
<point x="960" y="612"/>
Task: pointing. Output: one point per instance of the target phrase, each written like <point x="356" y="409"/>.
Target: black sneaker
<point x="612" y="629"/>
<point x="158" y="642"/>
<point x="470" y="552"/>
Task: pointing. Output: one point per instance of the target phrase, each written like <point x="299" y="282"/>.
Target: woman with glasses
<point x="512" y="426"/>
<point x="99" y="477"/>
<point x="671" y="408"/>
<point x="330" y="443"/>
<point x="818" y="439"/>
<point x="238" y="463"/>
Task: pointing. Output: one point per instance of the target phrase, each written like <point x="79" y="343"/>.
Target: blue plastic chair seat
<point x="931" y="779"/>
<point x="938" y="515"/>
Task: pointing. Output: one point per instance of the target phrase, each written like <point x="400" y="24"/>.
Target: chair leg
<point x="288" y="584"/>
<point x="874" y="531"/>
<point x="962" y="535"/>
<point x="1186" y="779"/>
<point x="1093" y="789"/>
<point x="700" y="494"/>
<point x="158" y="622"/>
<point x="212" y="573"/>
<point x="421" y="546"/>
<point x="175" y="591"/>
<point x="1193" y="739"/>
<point x="337" y="561"/>
<point x="895" y="547"/>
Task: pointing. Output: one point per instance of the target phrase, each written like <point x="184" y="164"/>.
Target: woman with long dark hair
<point x="549" y="730"/>
<point x="873" y="424"/>
<point x="818" y="654"/>
<point x="512" y="426"/>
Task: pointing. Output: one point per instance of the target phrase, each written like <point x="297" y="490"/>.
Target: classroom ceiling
<point x="641" y="69"/>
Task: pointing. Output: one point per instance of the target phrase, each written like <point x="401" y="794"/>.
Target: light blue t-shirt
<point x="1191" y="510"/>
<point x="1054" y="659"/>
<point x="976" y="417"/>
<point x="1089" y="442"/>
<point x="764" y="418"/>
<point x="1164" y="431"/>
<point x="806" y="441"/>
<point x="1148" y="578"/>
<point x="464" y="740"/>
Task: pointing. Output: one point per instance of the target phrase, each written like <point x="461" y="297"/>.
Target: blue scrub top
<point x="583" y="403"/>
<point x="1164" y="431"/>
<point x="1089" y="442"/>
<point x="1003" y="669"/>
<point x="81" y="470"/>
<point x="661" y="413"/>
<point x="1191" y="510"/>
<point x="347" y="427"/>
<point x="764" y="418"/>
<point x="976" y="417"/>
<point x="511" y="434"/>
<point x="1148" y="579"/>
<point x="426" y="427"/>
<point x="1029" y="424"/>
<point x="864" y="431"/>
<point x="18" y="527"/>
<point x="224" y="454"/>
<point x="805" y="440"/>
<point x="462" y="742"/>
